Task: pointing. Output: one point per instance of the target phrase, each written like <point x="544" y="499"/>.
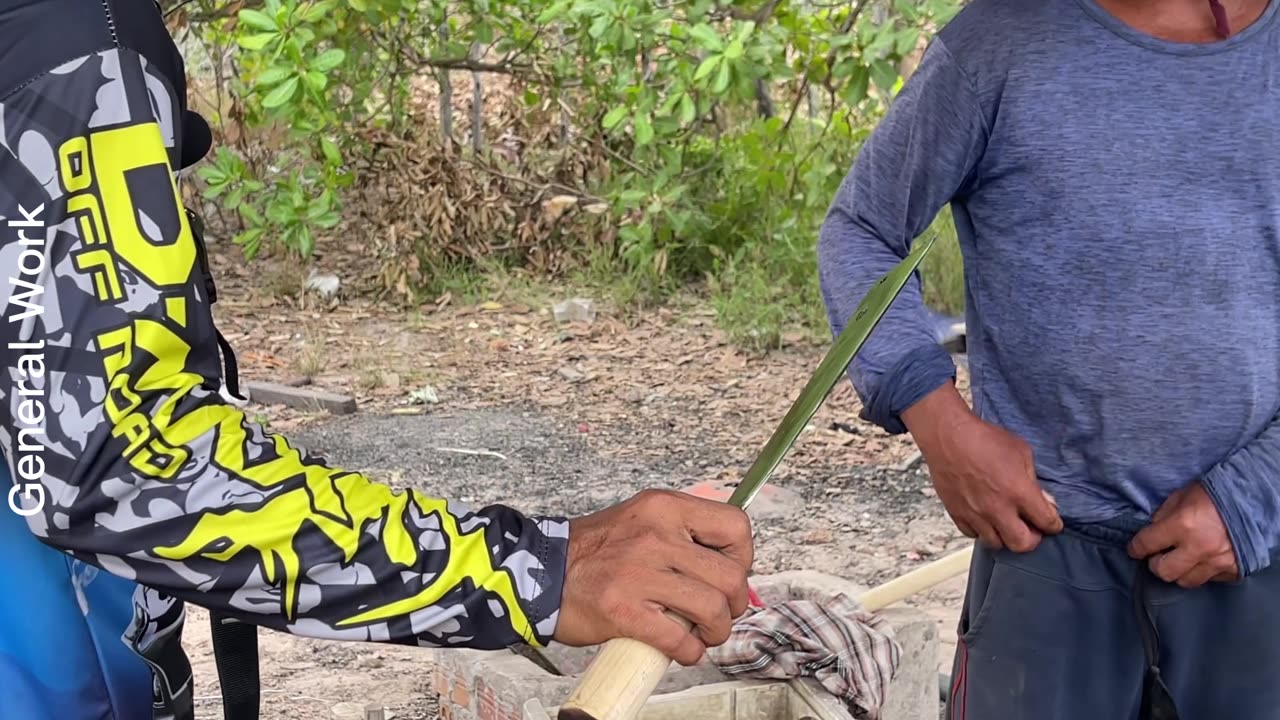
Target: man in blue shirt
<point x="1113" y="167"/>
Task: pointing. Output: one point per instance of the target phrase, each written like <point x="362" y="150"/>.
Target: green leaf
<point x="687" y="110"/>
<point x="722" y="79"/>
<point x="250" y="241"/>
<point x="256" y="42"/>
<point x="328" y="220"/>
<point x="258" y="20"/>
<point x="706" y="36"/>
<point x="274" y="75"/>
<point x="250" y="213"/>
<point x="614" y="116"/>
<point x="316" y="12"/>
<point x="884" y="74"/>
<point x="330" y="150"/>
<point x="315" y="80"/>
<point x="212" y="174"/>
<point x="705" y="68"/>
<point x="306" y="241"/>
<point x="282" y="94"/>
<point x="644" y="130"/>
<point x="907" y="40"/>
<point x="630" y="198"/>
<point x="734" y="51"/>
<point x="358" y="5"/>
<point x="856" y="91"/>
<point x="531" y="97"/>
<point x="328" y="60"/>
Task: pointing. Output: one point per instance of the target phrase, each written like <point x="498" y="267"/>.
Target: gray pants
<point x="1056" y="634"/>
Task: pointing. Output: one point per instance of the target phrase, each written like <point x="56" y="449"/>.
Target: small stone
<point x="425" y="395"/>
<point x="575" y="310"/>
<point x="324" y="285"/>
<point x="348" y="711"/>
<point x="816" y="537"/>
<point x="570" y="374"/>
<point x="928" y="492"/>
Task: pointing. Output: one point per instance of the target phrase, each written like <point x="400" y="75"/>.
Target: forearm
<point x="921" y="156"/>
<point x="249" y="525"/>
<point x="902" y="361"/>
<point x="1245" y="488"/>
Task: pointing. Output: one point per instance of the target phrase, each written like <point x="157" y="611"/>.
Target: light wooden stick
<point x="625" y="672"/>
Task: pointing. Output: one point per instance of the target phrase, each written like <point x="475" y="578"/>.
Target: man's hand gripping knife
<point x="657" y="551"/>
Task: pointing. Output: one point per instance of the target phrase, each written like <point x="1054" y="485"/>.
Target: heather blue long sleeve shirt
<point x="1117" y="199"/>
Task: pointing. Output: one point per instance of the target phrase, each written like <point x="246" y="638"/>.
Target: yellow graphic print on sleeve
<point x="148" y="473"/>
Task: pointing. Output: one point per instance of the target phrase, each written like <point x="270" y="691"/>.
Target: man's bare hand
<point x="657" y="551"/>
<point x="1187" y="542"/>
<point x="984" y="475"/>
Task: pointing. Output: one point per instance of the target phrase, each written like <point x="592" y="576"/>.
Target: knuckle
<point x="712" y="607"/>
<point x="738" y="523"/>
<point x="652" y="499"/>
<point x="717" y="634"/>
<point x="689" y="656"/>
<point x="1022" y="544"/>
<point x="669" y="643"/>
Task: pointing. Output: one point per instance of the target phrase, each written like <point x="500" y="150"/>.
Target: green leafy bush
<point x="710" y="135"/>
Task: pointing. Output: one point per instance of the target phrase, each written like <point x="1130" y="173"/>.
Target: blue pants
<point x="1056" y="634"/>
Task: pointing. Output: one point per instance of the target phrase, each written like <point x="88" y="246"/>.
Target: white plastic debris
<point x="575" y="310"/>
<point x="324" y="284"/>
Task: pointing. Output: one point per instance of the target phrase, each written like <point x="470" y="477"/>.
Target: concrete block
<point x="269" y="393"/>
<point x="913" y="694"/>
<point x="499" y="685"/>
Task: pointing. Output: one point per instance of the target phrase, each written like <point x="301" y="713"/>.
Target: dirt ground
<point x="497" y="402"/>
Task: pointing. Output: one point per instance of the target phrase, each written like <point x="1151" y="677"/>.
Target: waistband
<point x="1115" y="532"/>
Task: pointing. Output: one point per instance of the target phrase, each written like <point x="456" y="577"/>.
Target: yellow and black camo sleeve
<point x="123" y="451"/>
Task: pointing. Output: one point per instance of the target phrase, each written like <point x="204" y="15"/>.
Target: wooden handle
<point x="626" y="672"/>
<point x="922" y="578"/>
<point x="619" y="680"/>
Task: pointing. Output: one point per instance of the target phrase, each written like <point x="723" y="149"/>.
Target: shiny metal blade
<point x="830" y="370"/>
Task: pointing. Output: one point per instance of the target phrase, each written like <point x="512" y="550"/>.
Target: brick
<point x="460" y="696"/>
<point x="770" y="503"/>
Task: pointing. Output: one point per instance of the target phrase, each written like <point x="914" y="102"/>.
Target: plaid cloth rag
<point x="850" y="651"/>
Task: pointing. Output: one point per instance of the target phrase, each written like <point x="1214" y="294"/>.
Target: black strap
<point x="235" y="650"/>
<point x="235" y="643"/>
<point x="1157" y="701"/>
